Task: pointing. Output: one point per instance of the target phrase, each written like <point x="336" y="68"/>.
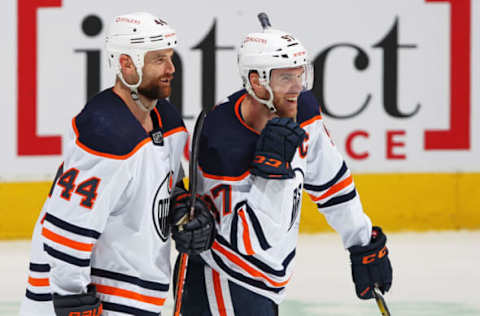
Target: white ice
<point x="435" y="274"/>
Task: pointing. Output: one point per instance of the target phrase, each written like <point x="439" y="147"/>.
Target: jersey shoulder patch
<point x="226" y="146"/>
<point x="106" y="126"/>
<point x="308" y="108"/>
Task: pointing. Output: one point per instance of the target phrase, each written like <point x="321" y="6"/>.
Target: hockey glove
<point x="191" y="236"/>
<point x="276" y="147"/>
<point x="371" y="266"/>
<point x="79" y="304"/>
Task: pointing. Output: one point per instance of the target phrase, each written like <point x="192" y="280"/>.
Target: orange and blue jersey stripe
<point x="112" y="286"/>
<point x="55" y="238"/>
<point x="254" y="272"/>
<point x="331" y="192"/>
<point x="38" y="282"/>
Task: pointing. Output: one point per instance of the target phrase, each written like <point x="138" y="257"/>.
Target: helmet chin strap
<point x="268" y="103"/>
<point x="143" y="107"/>
<point x="134" y="91"/>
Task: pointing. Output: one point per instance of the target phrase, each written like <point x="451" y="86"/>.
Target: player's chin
<point x="288" y="113"/>
<point x="164" y="92"/>
<point x="289" y="110"/>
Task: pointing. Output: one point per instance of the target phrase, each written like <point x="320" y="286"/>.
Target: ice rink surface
<point x="435" y="274"/>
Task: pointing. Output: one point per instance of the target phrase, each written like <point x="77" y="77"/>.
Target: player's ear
<point x="254" y="79"/>
<point x="126" y="62"/>
<point x="128" y="69"/>
<point x="257" y="87"/>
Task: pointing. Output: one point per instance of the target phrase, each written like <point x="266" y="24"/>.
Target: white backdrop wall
<point x="386" y="71"/>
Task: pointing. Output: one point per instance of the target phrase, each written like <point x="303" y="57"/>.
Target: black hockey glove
<point x="371" y="266"/>
<point x="79" y="304"/>
<point x="194" y="236"/>
<point x="276" y="147"/>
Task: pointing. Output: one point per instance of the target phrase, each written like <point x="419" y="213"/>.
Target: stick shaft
<point x="382" y="305"/>
<point x="182" y="271"/>
<point x="192" y="170"/>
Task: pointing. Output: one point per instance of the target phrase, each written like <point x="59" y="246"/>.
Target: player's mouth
<point x="292" y="99"/>
<point x="165" y="81"/>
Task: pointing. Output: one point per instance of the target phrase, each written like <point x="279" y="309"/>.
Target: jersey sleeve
<point x="330" y="185"/>
<point x="84" y="194"/>
<point x="256" y="212"/>
<point x="253" y="213"/>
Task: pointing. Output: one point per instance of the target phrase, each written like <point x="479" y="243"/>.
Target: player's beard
<point x="286" y="110"/>
<point x="154" y="91"/>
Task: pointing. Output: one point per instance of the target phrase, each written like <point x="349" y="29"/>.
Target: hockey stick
<point x="264" y="20"/>
<point x="382" y="305"/>
<point x="192" y="174"/>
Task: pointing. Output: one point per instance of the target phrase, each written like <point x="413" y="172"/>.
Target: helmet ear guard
<point x="134" y="35"/>
<point x="265" y="83"/>
<point x="271" y="49"/>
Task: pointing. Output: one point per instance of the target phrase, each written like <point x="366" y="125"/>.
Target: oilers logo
<point x="161" y="207"/>
<point x="297" y="199"/>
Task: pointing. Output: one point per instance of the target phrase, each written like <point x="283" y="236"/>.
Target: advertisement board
<point x="398" y="81"/>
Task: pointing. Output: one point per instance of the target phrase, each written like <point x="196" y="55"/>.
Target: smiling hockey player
<point x="259" y="149"/>
<point x="102" y="240"/>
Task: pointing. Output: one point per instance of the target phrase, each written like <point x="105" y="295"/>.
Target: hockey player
<point x="259" y="149"/>
<point x="102" y="241"/>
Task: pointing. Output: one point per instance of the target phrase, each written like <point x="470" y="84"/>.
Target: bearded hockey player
<point x="101" y="245"/>
<point x="259" y="149"/>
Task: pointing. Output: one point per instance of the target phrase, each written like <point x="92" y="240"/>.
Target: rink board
<point x="397" y="202"/>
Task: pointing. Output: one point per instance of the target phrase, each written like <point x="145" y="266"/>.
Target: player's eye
<point x="159" y="59"/>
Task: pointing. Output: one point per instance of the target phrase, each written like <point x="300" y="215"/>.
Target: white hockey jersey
<point x="105" y="221"/>
<point x="258" y="219"/>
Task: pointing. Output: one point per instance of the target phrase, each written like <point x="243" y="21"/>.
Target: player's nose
<point x="170" y="67"/>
